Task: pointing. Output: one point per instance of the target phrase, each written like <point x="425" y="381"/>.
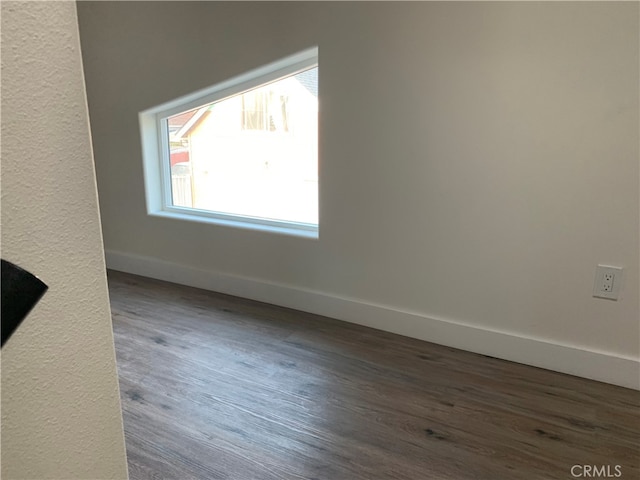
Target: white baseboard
<point x="602" y="366"/>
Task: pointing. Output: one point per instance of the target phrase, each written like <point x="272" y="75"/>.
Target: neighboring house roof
<point x="179" y="120"/>
<point x="309" y="80"/>
<point x="192" y="121"/>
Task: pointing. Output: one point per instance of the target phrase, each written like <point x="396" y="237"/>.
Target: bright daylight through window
<point x="241" y="153"/>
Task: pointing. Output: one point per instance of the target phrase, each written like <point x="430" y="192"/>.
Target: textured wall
<point x="61" y="414"/>
<point x="478" y="159"/>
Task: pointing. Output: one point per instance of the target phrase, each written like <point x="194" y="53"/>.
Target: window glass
<point x="253" y="154"/>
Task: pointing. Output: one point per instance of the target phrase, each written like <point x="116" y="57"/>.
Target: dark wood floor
<point x="217" y="387"/>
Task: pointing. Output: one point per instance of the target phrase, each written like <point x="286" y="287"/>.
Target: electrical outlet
<point x="607" y="282"/>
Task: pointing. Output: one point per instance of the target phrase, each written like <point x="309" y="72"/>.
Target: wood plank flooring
<point x="217" y="387"/>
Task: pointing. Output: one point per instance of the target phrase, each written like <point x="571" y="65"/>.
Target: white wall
<point x="477" y="161"/>
<point x="61" y="413"/>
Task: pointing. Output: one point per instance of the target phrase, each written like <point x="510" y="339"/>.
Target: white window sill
<point x="247" y="223"/>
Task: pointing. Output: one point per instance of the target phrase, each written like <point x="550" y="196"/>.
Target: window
<point x="242" y="153"/>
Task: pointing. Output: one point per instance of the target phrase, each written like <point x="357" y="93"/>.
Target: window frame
<point x="154" y="133"/>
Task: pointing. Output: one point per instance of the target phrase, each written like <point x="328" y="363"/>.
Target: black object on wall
<point x="21" y="290"/>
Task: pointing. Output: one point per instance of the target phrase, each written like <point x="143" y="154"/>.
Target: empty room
<point x="321" y="240"/>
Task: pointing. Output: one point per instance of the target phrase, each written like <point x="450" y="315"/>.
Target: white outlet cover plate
<point x="601" y="271"/>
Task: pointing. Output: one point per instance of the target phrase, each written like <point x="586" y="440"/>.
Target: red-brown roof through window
<point x="182" y="118"/>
